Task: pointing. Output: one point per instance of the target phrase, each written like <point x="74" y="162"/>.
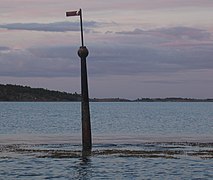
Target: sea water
<point x="124" y="126"/>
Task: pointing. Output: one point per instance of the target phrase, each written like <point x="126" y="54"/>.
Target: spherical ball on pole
<point x="83" y="52"/>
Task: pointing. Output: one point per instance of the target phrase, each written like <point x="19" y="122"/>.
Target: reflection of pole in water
<point x="84" y="169"/>
<point x="86" y="125"/>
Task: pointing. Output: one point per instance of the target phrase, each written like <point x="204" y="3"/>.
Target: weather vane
<point x="78" y="13"/>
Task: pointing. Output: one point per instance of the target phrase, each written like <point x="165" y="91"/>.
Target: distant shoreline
<point x="152" y="100"/>
<point x="17" y="93"/>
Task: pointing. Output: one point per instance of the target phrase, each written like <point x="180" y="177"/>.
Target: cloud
<point x="184" y="33"/>
<point x="4" y="49"/>
<point x="39" y="63"/>
<point x="105" y="60"/>
<point x="134" y="32"/>
<point x="136" y="52"/>
<point x="164" y="4"/>
<point x="139" y="60"/>
<point x="172" y="32"/>
<point x="53" y="52"/>
<point x="50" y="27"/>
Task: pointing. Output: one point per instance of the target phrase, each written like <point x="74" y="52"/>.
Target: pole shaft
<point x="86" y="125"/>
<point x="82" y="34"/>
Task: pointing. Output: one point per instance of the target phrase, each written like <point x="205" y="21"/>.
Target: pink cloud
<point x="38" y="5"/>
<point x="168" y="4"/>
<point x="185" y="44"/>
<point x="144" y="4"/>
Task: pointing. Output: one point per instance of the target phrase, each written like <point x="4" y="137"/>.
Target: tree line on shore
<point x="18" y="93"/>
<point x="25" y="93"/>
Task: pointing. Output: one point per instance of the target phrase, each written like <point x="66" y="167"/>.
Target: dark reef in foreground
<point x="19" y="93"/>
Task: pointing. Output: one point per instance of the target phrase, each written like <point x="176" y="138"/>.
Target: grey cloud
<point x="54" y="52"/>
<point x="108" y="32"/>
<point x="106" y="59"/>
<point x="134" y="32"/>
<point x="144" y="60"/>
<point x="49" y="27"/>
<point x="23" y="63"/>
<point x="185" y="32"/>
<point x="173" y="32"/>
<point x="3" y="48"/>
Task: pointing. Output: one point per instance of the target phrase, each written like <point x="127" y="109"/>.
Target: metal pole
<point x="82" y="34"/>
<point x="86" y="125"/>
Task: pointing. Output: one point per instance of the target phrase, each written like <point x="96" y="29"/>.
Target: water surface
<point x="130" y="141"/>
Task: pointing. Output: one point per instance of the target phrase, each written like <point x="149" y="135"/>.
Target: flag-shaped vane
<point x="77" y="13"/>
<point x="73" y="13"/>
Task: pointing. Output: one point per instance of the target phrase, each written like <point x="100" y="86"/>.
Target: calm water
<point x="126" y="126"/>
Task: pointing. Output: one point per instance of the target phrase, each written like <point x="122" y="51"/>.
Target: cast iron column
<point x="86" y="125"/>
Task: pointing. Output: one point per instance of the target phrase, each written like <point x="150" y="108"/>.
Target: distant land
<point x="11" y="92"/>
<point x="18" y="93"/>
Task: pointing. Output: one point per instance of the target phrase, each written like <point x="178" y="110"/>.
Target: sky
<point x="137" y="48"/>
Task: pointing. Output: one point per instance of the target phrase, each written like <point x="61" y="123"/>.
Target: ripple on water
<point x="120" y="162"/>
